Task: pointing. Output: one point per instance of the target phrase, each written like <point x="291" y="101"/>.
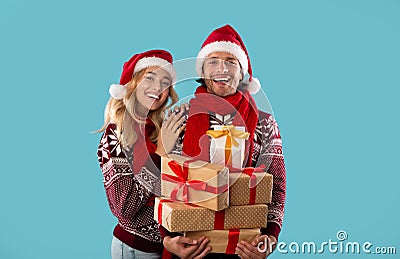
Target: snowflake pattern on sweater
<point x="129" y="198"/>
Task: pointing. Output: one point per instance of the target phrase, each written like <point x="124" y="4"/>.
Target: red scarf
<point x="143" y="140"/>
<point x="196" y="143"/>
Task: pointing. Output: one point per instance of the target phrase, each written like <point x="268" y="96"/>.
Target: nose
<point x="156" y="85"/>
<point x="222" y="66"/>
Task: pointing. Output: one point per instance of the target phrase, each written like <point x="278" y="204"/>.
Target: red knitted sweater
<point x="130" y="194"/>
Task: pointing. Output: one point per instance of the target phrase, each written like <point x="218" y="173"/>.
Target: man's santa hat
<point x="226" y="39"/>
<point x="138" y="62"/>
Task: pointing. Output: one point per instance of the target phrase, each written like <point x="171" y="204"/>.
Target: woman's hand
<point x="186" y="248"/>
<point x="170" y="129"/>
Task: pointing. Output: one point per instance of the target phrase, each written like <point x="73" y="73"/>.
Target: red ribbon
<point x="253" y="180"/>
<point x="233" y="240"/>
<point x="219" y="219"/>
<point x="181" y="172"/>
<point x="181" y="180"/>
<point x="159" y="209"/>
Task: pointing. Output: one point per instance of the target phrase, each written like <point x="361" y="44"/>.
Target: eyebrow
<point x="228" y="58"/>
<point x="154" y="73"/>
<point x="232" y="59"/>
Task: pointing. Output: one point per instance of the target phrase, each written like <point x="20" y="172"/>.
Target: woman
<point x="130" y="149"/>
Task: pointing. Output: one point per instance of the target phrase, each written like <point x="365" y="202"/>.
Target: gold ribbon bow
<point x="231" y="134"/>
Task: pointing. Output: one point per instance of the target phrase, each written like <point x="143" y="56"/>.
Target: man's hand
<point x="186" y="248"/>
<point x="258" y="249"/>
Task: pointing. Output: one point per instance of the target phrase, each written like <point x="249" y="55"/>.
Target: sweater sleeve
<point x="271" y="155"/>
<point x="177" y="149"/>
<point x="125" y="194"/>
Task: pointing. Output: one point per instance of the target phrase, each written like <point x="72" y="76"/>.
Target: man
<point x="224" y="98"/>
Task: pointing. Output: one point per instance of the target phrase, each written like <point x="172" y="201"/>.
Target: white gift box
<point x="218" y="145"/>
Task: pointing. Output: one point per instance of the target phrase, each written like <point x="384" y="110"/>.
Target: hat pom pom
<point x="252" y="86"/>
<point x="117" y="91"/>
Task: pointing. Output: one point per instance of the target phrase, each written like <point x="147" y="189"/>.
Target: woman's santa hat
<point x="226" y="39"/>
<point x="138" y="62"/>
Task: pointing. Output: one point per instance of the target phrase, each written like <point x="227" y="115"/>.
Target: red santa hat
<point x="138" y="62"/>
<point x="226" y="39"/>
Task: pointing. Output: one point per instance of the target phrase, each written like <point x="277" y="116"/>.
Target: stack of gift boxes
<point x="219" y="200"/>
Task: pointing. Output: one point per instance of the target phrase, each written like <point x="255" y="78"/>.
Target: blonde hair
<point x="122" y="113"/>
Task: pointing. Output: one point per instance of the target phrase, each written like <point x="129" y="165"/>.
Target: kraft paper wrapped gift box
<point x="197" y="182"/>
<point x="250" y="186"/>
<point x="225" y="241"/>
<point x="227" y="146"/>
<point x="178" y="216"/>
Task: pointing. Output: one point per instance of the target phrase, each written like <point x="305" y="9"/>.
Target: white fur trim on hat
<point x="252" y="86"/>
<point x="154" y="61"/>
<point x="222" y="46"/>
<point x="117" y="92"/>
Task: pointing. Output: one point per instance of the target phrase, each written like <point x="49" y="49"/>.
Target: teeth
<point x="153" y="96"/>
<point x="221" y="79"/>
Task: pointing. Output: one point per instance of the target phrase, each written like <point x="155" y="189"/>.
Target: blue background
<point x="329" y="68"/>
